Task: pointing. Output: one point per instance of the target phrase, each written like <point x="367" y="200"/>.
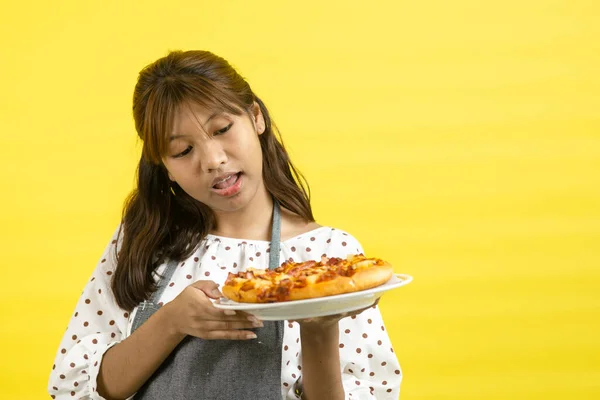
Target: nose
<point x="212" y="155"/>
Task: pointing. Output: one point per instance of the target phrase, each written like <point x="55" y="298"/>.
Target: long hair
<point x="157" y="225"/>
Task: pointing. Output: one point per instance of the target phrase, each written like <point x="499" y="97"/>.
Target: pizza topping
<point x="327" y="275"/>
<point x="276" y="285"/>
<point x="332" y="261"/>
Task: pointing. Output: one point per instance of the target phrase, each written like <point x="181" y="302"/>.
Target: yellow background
<point x="458" y="139"/>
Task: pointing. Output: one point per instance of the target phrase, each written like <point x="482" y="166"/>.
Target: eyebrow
<point x="215" y="114"/>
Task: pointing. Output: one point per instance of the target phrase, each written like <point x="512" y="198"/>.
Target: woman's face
<point x="216" y="157"/>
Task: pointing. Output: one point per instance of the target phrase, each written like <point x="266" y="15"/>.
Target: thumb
<point x="210" y="288"/>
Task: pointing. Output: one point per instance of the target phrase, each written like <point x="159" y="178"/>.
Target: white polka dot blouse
<point x="370" y="369"/>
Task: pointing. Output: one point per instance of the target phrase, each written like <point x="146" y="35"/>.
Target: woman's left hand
<point x="329" y="320"/>
<point x="320" y="355"/>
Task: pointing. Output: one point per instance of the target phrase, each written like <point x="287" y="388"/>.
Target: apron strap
<point x="275" y="236"/>
<point x="150" y="306"/>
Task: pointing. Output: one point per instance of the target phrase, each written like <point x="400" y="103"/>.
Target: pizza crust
<point x="373" y="276"/>
<point x="246" y="296"/>
<point x="363" y="279"/>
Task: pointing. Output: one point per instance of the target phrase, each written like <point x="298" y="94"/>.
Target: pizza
<point x="306" y="280"/>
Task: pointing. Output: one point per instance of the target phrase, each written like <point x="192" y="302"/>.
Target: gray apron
<point x="218" y="369"/>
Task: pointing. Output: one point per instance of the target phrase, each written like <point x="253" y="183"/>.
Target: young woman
<point x="216" y="192"/>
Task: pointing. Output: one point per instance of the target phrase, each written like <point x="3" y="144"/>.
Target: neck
<point x="252" y="222"/>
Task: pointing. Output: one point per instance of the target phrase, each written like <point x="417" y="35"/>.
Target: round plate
<point x="318" y="307"/>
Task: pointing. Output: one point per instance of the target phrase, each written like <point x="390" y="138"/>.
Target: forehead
<point x="191" y="117"/>
<point x="185" y="119"/>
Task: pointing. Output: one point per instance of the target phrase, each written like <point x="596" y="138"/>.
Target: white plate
<point x="319" y="307"/>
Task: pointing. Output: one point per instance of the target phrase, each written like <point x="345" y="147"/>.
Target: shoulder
<point x="293" y="225"/>
<point x="326" y="241"/>
<point x="341" y="243"/>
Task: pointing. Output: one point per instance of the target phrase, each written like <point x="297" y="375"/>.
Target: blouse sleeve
<point x="96" y="325"/>
<point x="370" y="368"/>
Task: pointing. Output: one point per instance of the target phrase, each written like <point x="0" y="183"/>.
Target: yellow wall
<point x="458" y="139"/>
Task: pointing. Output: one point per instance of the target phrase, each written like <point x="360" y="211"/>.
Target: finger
<point x="230" y="335"/>
<point x="241" y="314"/>
<point x="232" y="325"/>
<point x="228" y="323"/>
<point x="216" y="314"/>
<point x="356" y="312"/>
<point x="210" y="288"/>
<point x="359" y="311"/>
<point x="209" y="326"/>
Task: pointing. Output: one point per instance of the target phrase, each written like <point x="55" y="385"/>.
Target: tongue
<point x="226" y="183"/>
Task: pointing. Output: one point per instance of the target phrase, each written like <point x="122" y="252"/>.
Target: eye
<point x="222" y="131"/>
<point x="183" y="153"/>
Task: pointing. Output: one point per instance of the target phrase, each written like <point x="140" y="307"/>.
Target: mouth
<point x="228" y="184"/>
<point x="226" y="180"/>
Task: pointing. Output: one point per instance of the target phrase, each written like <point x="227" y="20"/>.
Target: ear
<point x="257" y="118"/>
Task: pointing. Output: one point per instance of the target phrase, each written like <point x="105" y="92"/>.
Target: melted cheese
<point x="278" y="282"/>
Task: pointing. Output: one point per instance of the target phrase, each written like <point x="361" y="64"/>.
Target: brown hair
<point x="158" y="225"/>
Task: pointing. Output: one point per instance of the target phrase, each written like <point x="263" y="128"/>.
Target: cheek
<point x="253" y="149"/>
<point x="251" y="155"/>
<point x="176" y="173"/>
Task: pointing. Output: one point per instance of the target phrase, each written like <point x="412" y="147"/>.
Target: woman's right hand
<point x="192" y="313"/>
